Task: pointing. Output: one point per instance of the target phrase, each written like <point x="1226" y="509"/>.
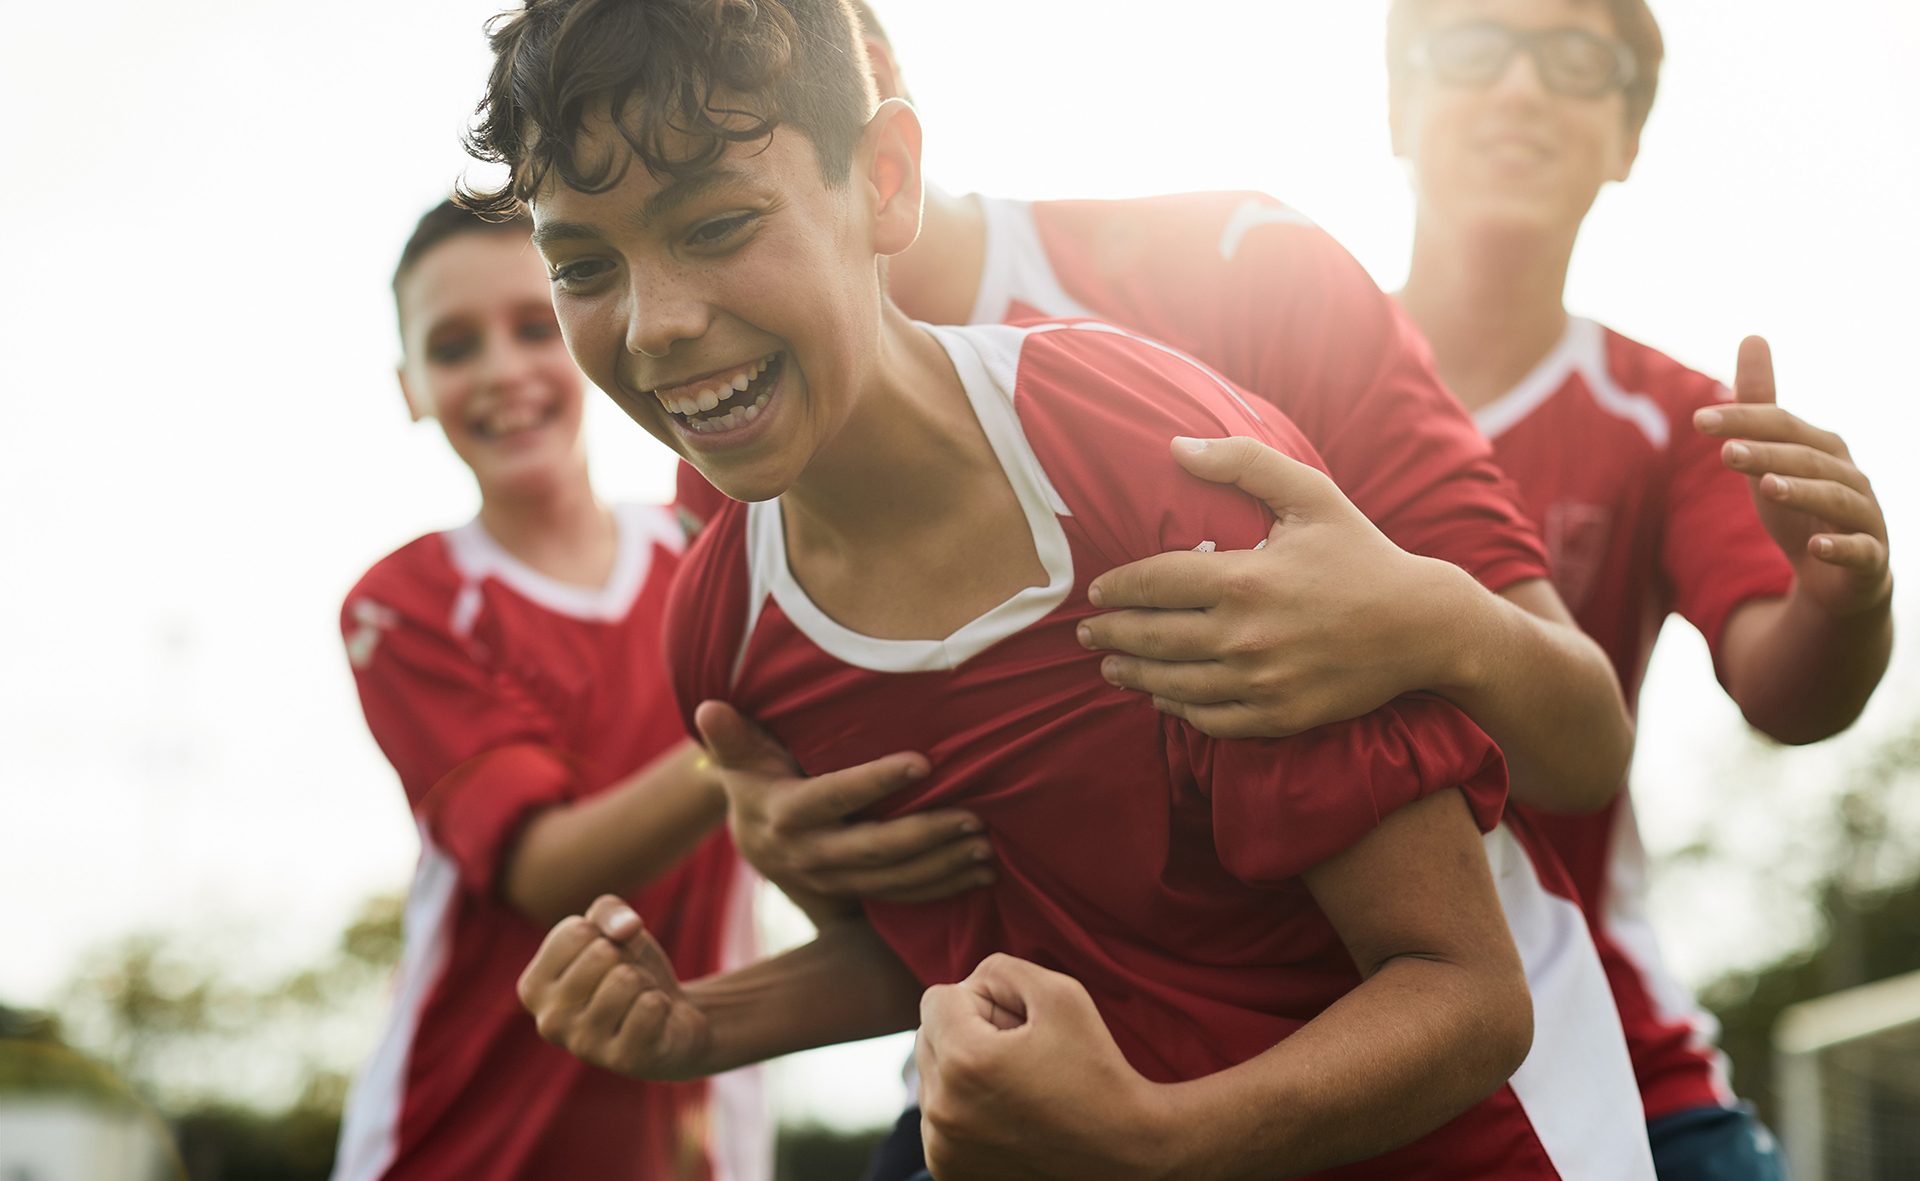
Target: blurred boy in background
<point x="511" y="671"/>
<point x="1513" y="114"/>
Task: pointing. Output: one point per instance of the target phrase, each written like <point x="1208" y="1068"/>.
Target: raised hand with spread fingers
<point x="1802" y="667"/>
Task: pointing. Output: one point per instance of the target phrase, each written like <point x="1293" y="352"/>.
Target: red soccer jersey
<point x="1159" y="867"/>
<point x="1641" y="519"/>
<point x="1264" y="297"/>
<point x="496" y="691"/>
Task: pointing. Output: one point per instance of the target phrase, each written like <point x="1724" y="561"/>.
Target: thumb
<point x="1753" y="379"/>
<point x="736" y="743"/>
<point x="1285" y="484"/>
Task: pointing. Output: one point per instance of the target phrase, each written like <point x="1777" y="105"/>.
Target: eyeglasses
<point x="1572" y="62"/>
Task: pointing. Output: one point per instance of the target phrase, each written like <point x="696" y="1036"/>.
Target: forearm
<point x="1389" y="1062"/>
<point x="615" y="842"/>
<point x="1527" y="675"/>
<point x="1799" y="673"/>
<point x="844" y="986"/>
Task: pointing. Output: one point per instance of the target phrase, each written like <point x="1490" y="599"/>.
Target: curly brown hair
<point x="1633" y="23"/>
<point x="716" y="72"/>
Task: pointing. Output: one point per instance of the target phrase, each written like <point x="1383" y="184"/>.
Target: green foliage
<point x="151" y="1001"/>
<point x="222" y="1143"/>
<point x="42" y="1066"/>
<point x="811" y="1153"/>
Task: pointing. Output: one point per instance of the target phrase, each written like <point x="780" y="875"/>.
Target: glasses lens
<point x="1573" y="61"/>
<point x="1470" y="54"/>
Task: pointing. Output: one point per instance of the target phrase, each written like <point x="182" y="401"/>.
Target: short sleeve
<point x="1099" y="409"/>
<point x="1282" y="806"/>
<point x="1277" y="306"/>
<point x="1715" y="551"/>
<point x="476" y="755"/>
<point x="1346" y="364"/>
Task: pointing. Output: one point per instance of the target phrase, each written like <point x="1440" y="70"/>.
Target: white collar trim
<point x="478" y="556"/>
<point x="985" y="358"/>
<point x="1582" y="350"/>
<point x="1016" y="266"/>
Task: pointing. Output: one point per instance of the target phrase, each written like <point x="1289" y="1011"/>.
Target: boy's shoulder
<point x="1204" y="226"/>
<point x="1098" y="408"/>
<point x="1641" y="368"/>
<point x="706" y="617"/>
<point x="417" y="578"/>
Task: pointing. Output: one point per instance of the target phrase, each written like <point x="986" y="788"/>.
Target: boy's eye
<point x="539" y="331"/>
<point x="718" y="231"/>
<point x="452" y="350"/>
<point x="578" y="274"/>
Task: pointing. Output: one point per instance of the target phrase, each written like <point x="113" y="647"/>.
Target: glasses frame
<point x="1626" y="66"/>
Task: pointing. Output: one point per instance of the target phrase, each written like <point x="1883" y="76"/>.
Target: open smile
<point x="724" y="401"/>
<point x="505" y="421"/>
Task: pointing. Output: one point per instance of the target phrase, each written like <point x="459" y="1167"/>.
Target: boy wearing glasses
<point x="1513" y="114"/>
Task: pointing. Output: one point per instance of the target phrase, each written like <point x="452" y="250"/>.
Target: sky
<point x="204" y="200"/>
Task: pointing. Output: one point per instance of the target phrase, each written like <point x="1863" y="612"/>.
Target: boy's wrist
<point x="1459" y="620"/>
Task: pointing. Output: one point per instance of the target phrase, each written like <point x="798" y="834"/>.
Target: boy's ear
<point x="414" y="409"/>
<point x="890" y="164"/>
<point x="1629" y="152"/>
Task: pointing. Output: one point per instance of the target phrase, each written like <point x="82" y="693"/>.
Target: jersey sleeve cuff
<point x="476" y="811"/>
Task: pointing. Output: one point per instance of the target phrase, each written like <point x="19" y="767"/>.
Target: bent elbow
<point x="1505" y="1036"/>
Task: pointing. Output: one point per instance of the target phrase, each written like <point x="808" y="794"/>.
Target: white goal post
<point x="1847" y="1078"/>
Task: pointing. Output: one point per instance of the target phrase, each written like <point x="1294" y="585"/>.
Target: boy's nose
<point x="1521" y="79"/>
<point x="659" y="315"/>
<point x="504" y="365"/>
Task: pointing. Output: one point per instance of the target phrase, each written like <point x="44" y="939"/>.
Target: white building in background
<point x="69" y="1138"/>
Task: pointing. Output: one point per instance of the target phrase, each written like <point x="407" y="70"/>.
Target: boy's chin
<point x="750" y="487"/>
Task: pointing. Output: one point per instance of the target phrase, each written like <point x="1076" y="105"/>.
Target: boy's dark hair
<point x="449" y="220"/>
<point x="661" y="67"/>
<point x="1633" y="23"/>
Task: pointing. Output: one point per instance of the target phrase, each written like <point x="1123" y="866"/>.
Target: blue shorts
<point x="1704" y="1144"/>
<point x="1715" y="1144"/>
<point x="900" y="1157"/>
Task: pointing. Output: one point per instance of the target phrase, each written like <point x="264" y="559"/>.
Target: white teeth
<point x="761" y="401"/>
<point x="752" y="412"/>
<point x="690" y="407"/>
<point x="743" y="381"/>
<point x="708" y="399"/>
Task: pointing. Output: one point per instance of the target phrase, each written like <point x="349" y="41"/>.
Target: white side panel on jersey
<point x="1016" y="267"/>
<point x="370" y="1126"/>
<point x="740" y="1142"/>
<point x="478" y="557"/>
<point x="1624" y="919"/>
<point x="1576" y="1085"/>
<point x="1582" y="350"/>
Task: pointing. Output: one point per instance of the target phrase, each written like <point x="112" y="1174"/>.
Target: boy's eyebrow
<point x="685" y="189"/>
<point x="558" y="231"/>
<point x="679" y="192"/>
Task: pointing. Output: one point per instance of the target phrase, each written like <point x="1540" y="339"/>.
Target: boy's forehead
<point x="641" y="198"/>
<point x="481" y="266"/>
<point x="1525" y="14"/>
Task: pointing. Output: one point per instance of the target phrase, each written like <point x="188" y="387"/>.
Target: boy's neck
<point x="906" y="526"/>
<point x="561" y="530"/>
<point x="1490" y="305"/>
<point x="937" y="279"/>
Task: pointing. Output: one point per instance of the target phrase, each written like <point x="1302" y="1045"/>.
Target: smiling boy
<point x="1656" y="492"/>
<point x="511" y="670"/>
<point x="1273" y="956"/>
